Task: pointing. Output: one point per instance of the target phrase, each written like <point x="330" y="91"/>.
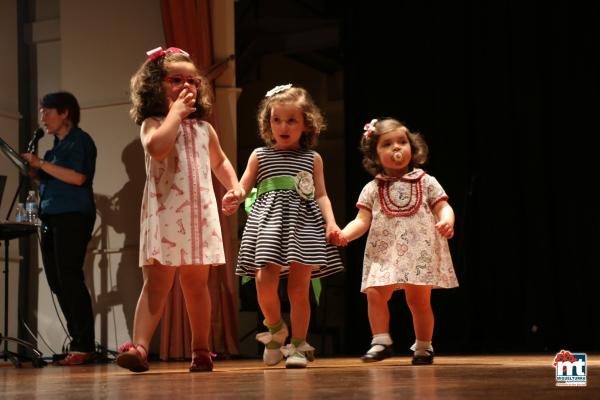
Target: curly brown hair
<point x="148" y="97"/>
<point x="314" y="122"/>
<point x="368" y="146"/>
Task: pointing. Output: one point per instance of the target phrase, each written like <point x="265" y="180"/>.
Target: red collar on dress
<point x="412" y="176"/>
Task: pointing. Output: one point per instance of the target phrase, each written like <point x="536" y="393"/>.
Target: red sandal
<point x="201" y="361"/>
<point x="133" y="360"/>
<point x="76" y="358"/>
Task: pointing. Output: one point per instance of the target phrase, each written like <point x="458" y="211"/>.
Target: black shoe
<point x="378" y="355"/>
<point x="423" y="360"/>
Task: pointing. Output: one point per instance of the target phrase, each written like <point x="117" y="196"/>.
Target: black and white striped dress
<point x="283" y="227"/>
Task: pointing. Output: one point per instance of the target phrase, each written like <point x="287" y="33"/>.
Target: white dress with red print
<point x="403" y="246"/>
<point x="179" y="219"/>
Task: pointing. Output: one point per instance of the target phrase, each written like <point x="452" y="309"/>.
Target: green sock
<point x="276" y="327"/>
<point x="297" y="342"/>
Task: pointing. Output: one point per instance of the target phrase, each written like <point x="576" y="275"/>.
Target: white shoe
<point x="296" y="360"/>
<point x="298" y="357"/>
<point x="273" y="356"/>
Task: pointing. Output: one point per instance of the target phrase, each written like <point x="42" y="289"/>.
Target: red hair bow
<point x="159" y="52"/>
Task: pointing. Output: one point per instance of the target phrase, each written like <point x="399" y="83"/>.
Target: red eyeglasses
<point x="180" y="80"/>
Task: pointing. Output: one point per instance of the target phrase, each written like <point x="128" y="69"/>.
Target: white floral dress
<point x="403" y="246"/>
<point x="179" y="218"/>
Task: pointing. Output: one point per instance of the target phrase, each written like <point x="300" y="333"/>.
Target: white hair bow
<point x="278" y="89"/>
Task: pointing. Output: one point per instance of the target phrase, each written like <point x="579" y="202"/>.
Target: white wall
<point x="9" y="131"/>
<point x="91" y="49"/>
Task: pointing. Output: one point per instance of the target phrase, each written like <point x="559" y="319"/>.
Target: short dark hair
<point x="63" y="101"/>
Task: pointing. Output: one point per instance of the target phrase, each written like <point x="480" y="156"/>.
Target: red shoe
<point x="76" y="358"/>
<point x="134" y="360"/>
<point x="201" y="361"/>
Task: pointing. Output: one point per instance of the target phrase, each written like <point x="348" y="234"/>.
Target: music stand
<point x="20" y="163"/>
<point x="9" y="231"/>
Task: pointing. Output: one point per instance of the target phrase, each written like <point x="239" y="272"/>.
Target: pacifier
<point x="397" y="156"/>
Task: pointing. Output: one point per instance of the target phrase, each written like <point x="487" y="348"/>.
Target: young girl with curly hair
<point x="285" y="233"/>
<point x="409" y="221"/>
<point x="179" y="219"/>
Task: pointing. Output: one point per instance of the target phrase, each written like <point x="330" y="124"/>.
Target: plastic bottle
<point x="31" y="208"/>
<point x="20" y="215"/>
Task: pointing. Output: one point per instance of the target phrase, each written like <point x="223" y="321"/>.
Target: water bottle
<point x="31" y="208"/>
<point x="20" y="215"/>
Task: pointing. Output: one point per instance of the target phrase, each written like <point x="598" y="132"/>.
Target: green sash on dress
<point x="284" y="182"/>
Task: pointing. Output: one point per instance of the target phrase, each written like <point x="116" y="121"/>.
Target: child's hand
<point x="334" y="235"/>
<point x="231" y="201"/>
<point x="337" y="238"/>
<point x="184" y="105"/>
<point x="445" y="228"/>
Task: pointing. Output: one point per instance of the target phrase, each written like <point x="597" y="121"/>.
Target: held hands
<point x="334" y="235"/>
<point x="445" y="228"/>
<point x="231" y="200"/>
<point x="184" y="105"/>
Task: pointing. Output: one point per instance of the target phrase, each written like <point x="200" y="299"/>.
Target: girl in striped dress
<point x="285" y="234"/>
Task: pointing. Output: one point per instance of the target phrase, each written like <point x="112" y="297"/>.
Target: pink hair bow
<point x="369" y="129"/>
<point x="159" y="52"/>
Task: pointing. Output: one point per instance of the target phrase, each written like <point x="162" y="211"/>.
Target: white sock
<point x="379" y="341"/>
<point x="382" y="338"/>
<point x="422" y="348"/>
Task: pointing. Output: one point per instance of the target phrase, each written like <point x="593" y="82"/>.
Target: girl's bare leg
<point x="379" y="313"/>
<point x="298" y="292"/>
<point x="158" y="280"/>
<point x="194" y="284"/>
<point x="418" y="299"/>
<point x="267" y="284"/>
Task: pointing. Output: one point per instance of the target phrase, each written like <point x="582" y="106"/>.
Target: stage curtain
<point x="186" y="25"/>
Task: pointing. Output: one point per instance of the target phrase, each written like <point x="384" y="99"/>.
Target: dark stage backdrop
<point x="507" y="95"/>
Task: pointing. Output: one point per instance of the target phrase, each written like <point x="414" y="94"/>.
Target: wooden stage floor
<point x="451" y="377"/>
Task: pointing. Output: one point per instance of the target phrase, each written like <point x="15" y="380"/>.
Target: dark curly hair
<point x="368" y="146"/>
<point x="148" y="96"/>
<point x="314" y="122"/>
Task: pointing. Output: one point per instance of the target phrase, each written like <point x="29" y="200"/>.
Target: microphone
<point x="33" y="143"/>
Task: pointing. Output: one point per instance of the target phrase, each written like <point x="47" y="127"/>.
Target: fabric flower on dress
<point x="305" y="185"/>
<point x="278" y="89"/>
<point x="369" y="129"/>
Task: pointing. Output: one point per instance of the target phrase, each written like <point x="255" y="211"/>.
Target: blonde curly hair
<point x="314" y="121"/>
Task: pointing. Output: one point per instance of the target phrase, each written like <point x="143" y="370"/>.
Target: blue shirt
<point x="75" y="151"/>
